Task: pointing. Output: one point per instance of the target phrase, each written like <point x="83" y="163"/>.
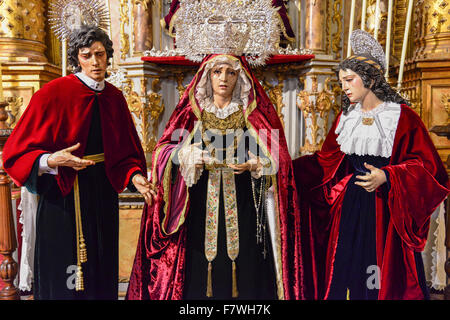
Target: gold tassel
<point x="83" y="252"/>
<point x="209" y="292"/>
<point x="235" y="292"/>
<point x="79" y="282"/>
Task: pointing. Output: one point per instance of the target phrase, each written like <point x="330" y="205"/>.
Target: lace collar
<point x="369" y="133"/>
<point x="222" y="113"/>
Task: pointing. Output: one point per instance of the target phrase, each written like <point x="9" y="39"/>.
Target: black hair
<point x="84" y="38"/>
<point x="369" y="74"/>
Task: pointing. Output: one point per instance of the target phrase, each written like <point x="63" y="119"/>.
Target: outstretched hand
<point x="65" y="158"/>
<point x="145" y="188"/>
<point x="371" y="181"/>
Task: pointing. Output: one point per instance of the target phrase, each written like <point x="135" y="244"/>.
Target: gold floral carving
<point x="133" y="99"/>
<point x="445" y="100"/>
<point x="337" y="18"/>
<point x="412" y="90"/>
<point x="275" y="92"/>
<point x="147" y="108"/>
<point x="13" y="110"/>
<point x="317" y="105"/>
<point x="124" y="37"/>
<point x="179" y="78"/>
<point x="156" y="108"/>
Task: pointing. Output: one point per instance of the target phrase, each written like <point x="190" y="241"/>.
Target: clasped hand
<point x="371" y="181"/>
<point x="200" y="158"/>
<point x="252" y="164"/>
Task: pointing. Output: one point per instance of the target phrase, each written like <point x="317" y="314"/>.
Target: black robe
<point x="55" y="251"/>
<point x="256" y="279"/>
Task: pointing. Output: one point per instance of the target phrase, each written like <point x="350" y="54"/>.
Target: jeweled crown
<point x="238" y="27"/>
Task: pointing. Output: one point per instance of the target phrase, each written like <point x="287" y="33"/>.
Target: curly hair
<point x="84" y="38"/>
<point x="372" y="79"/>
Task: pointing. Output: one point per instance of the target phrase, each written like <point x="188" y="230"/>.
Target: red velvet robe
<point x="419" y="183"/>
<point x="58" y="116"/>
<point x="159" y="266"/>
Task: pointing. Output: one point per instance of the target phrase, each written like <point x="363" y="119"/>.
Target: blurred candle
<point x="350" y="27"/>
<point x="405" y="43"/>
<point x="377" y="19"/>
<point x="64" y="58"/>
<point x="1" y="84"/>
<point x="388" y="37"/>
<point x="363" y="15"/>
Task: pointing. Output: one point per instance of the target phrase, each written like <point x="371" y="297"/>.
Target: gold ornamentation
<point x="13" y="110"/>
<point x="233" y="124"/>
<point x="124" y="37"/>
<point x="23" y="20"/>
<point x="445" y="100"/>
<point x="318" y="107"/>
<point x="179" y="78"/>
<point x="275" y="92"/>
<point x="370" y="21"/>
<point x="400" y="9"/>
<point x="147" y="108"/>
<point x="368" y="121"/>
<point x="156" y="107"/>
<point x="328" y="27"/>
<point x="133" y="99"/>
<point x="233" y="121"/>
<point x="337" y="18"/>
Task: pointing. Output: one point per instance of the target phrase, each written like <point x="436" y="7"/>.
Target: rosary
<point x="260" y="216"/>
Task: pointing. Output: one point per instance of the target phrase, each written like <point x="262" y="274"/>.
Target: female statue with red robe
<point x="366" y="197"/>
<point x="224" y="223"/>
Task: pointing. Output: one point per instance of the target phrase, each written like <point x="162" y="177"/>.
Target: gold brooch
<point x="368" y="121"/>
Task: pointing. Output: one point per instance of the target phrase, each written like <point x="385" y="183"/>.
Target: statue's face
<point x="93" y="61"/>
<point x="352" y="85"/>
<point x="223" y="80"/>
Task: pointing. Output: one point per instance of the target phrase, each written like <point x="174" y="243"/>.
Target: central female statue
<point x="225" y="222"/>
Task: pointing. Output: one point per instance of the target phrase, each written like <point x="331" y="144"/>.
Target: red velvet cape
<point x="419" y="183"/>
<point x="58" y="116"/>
<point x="158" y="270"/>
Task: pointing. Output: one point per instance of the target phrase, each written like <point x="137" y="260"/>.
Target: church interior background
<point x="305" y="93"/>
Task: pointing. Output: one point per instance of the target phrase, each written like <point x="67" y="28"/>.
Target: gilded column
<point x="124" y="37"/>
<point x="142" y="26"/>
<point x="400" y="9"/>
<point x="382" y="19"/>
<point x="22" y="32"/>
<point x="315" y="38"/>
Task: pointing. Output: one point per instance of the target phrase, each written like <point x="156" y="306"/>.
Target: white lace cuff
<point x="188" y="157"/>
